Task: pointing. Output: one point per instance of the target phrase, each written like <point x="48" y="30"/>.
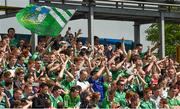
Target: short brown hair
<point x="147" y="90"/>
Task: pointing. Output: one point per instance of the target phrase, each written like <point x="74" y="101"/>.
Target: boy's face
<point x="79" y="44"/>
<point x="157" y="92"/>
<point x="45" y="89"/>
<point x="171" y="72"/>
<point x="84" y="75"/>
<point x="18" y="94"/>
<point x="11" y="33"/>
<point x="58" y="92"/>
<point x="75" y="93"/>
<point x="121" y="86"/>
<point x="135" y="103"/>
<point x="149" y="94"/>
<point x="175" y="91"/>
<point x="6" y="40"/>
<point x="52" y="58"/>
<point x="38" y="64"/>
<point x="13" y="60"/>
<point x="111" y="96"/>
<point x="98" y="62"/>
<point x="140" y="49"/>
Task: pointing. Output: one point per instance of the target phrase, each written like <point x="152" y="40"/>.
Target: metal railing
<point x="122" y="4"/>
<point x="4" y="7"/>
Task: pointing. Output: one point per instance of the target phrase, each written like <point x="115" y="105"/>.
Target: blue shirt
<point x="98" y="85"/>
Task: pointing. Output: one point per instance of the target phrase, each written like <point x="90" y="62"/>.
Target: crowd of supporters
<point x="64" y="73"/>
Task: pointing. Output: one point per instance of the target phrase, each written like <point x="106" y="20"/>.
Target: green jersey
<point x="106" y="103"/>
<point x="106" y="86"/>
<point x="2" y="82"/>
<point x="55" y="101"/>
<point x="3" y="103"/>
<point x="35" y="56"/>
<point x="148" y="79"/>
<point x="173" y="101"/>
<point x="120" y="97"/>
<point x="67" y="85"/>
<point x="70" y="102"/>
<point x="14" y="42"/>
<point x="147" y="104"/>
<point x="115" y="74"/>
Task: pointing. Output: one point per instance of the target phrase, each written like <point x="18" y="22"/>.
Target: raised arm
<point x="99" y="73"/>
<point x="120" y="64"/>
<point x="60" y="75"/>
<point x="54" y="68"/>
<point x="69" y="74"/>
<point x="107" y="71"/>
<point x="50" y="65"/>
<point x="112" y="59"/>
<point x="29" y="103"/>
<point x="123" y="47"/>
<point x="155" y="47"/>
<point x="149" y="67"/>
<point x="157" y="67"/>
<point x="88" y="62"/>
<point x="140" y="78"/>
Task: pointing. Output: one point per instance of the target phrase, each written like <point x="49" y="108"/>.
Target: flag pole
<point x="91" y="26"/>
<point x="33" y="41"/>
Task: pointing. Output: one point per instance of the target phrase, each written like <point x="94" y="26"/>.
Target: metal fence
<point x="123" y="4"/>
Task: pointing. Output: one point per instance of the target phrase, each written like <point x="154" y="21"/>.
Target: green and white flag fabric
<point x="44" y="20"/>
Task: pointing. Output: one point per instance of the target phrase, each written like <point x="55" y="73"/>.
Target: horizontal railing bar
<point x="141" y="2"/>
<point x="120" y="1"/>
<point x="120" y="4"/>
<point x="113" y="2"/>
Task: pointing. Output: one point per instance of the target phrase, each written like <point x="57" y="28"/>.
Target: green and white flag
<point x="44" y="20"/>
